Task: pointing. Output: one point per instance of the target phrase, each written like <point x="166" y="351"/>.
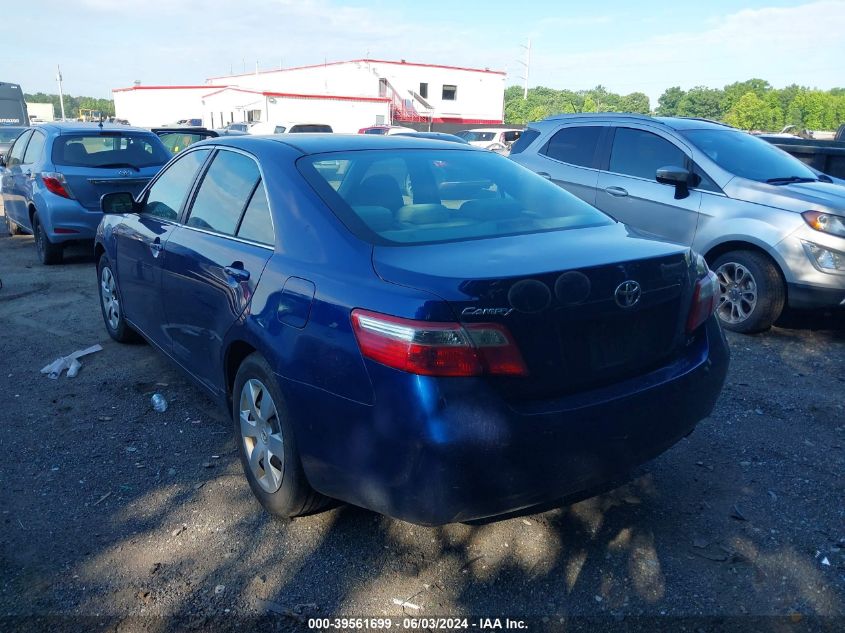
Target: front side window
<point x="639" y="153"/>
<point x="16" y="153"/>
<point x="109" y="149"/>
<point x="35" y="147"/>
<point x="224" y="192"/>
<point x="450" y="93"/>
<point x="403" y="197"/>
<point x="168" y="193"/>
<point x="574" y="145"/>
<point x="748" y="156"/>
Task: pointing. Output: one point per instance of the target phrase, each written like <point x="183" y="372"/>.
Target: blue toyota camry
<point x="420" y="328"/>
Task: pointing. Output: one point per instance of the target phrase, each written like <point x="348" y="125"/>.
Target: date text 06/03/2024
<point x="433" y="623"/>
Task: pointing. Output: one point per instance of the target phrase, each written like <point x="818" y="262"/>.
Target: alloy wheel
<point x="261" y="435"/>
<point x="108" y="295"/>
<point x="738" y="292"/>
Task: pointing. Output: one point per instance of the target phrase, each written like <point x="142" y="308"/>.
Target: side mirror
<point x="679" y="177"/>
<point x="118" y="202"/>
<point x="2" y="160"/>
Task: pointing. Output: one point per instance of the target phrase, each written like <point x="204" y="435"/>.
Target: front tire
<point x="266" y="443"/>
<point x="752" y="291"/>
<point x="48" y="253"/>
<point x="111" y="305"/>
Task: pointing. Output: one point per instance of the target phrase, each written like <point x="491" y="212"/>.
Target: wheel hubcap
<point x="108" y="295"/>
<point x="738" y="292"/>
<point x="261" y="435"/>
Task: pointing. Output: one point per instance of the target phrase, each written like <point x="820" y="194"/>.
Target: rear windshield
<point x="109" y="150"/>
<point x="408" y="196"/>
<point x="309" y="127"/>
<point x="9" y="134"/>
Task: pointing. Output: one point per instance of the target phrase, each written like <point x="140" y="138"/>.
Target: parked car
<point x="56" y="173"/>
<point x="771" y="228"/>
<point x="491" y="138"/>
<point x="288" y="127"/>
<point x="176" y="139"/>
<point x="385" y="129"/>
<point x="242" y="127"/>
<point x="827" y="157"/>
<point x="8" y="134"/>
<point x="485" y="343"/>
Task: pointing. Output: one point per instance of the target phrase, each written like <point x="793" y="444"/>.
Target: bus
<point x="12" y="106"/>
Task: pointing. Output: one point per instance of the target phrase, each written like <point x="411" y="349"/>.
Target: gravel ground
<point x="132" y="517"/>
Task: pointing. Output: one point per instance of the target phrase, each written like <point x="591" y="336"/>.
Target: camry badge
<point x="627" y="294"/>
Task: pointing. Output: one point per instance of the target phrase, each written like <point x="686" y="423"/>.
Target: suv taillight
<point x="705" y="300"/>
<point x="56" y="183"/>
<point x="437" y="349"/>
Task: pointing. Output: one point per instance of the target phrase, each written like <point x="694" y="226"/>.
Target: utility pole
<point x="61" y="95"/>
<point x="527" y="64"/>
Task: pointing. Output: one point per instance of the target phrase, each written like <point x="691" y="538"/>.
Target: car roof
<point x="319" y="143"/>
<point x="676" y="123"/>
<point x="77" y="126"/>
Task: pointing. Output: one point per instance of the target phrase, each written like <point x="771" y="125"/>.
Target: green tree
<point x="636" y="102"/>
<point x="702" y="102"/>
<point x="750" y="112"/>
<point x="667" y="103"/>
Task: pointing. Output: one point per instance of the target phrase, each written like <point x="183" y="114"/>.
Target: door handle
<point x="236" y="271"/>
<point x="619" y="192"/>
<point x="155" y="247"/>
<point x="545" y="175"/>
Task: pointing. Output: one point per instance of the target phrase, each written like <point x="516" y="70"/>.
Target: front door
<point x="214" y="261"/>
<point x="141" y="239"/>
<point x="14" y="198"/>
<point x="630" y="193"/>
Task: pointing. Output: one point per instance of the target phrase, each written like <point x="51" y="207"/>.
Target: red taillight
<point x="705" y="299"/>
<point x="437" y="349"/>
<point x="56" y="184"/>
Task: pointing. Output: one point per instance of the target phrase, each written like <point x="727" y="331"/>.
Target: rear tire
<point x="111" y="304"/>
<point x="752" y="291"/>
<point x="266" y="443"/>
<point x="48" y="253"/>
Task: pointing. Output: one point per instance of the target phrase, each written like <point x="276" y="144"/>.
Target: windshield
<point x="9" y="134"/>
<point x="748" y="156"/>
<point x="408" y="196"/>
<point x="477" y="136"/>
<point x="109" y="149"/>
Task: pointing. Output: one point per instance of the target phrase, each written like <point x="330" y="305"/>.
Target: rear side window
<point x="16" y="153"/>
<point x="257" y="224"/>
<point x="224" y="192"/>
<point x="35" y="148"/>
<point x="175" y="142"/>
<point x="168" y="192"/>
<point x="108" y="150"/>
<point x="525" y="139"/>
<point x="574" y="145"/>
<point x="640" y="153"/>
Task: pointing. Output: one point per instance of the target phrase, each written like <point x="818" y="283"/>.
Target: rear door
<point x="14" y="200"/>
<point x="630" y="193"/>
<point x="99" y="162"/>
<point x="214" y="261"/>
<point x="570" y="159"/>
<point x="140" y="244"/>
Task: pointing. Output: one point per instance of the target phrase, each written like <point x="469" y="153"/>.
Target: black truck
<point x="826" y="156"/>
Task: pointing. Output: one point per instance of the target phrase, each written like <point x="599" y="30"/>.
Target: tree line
<point x="749" y="105"/>
<point x="72" y="104"/>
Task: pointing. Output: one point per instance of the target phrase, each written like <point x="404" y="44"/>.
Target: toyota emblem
<point x="627" y="294"/>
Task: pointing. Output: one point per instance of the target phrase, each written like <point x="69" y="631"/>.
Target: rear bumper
<point x="67" y="220"/>
<point x="435" y="451"/>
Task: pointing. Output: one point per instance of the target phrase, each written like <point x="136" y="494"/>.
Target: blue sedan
<point x="413" y="326"/>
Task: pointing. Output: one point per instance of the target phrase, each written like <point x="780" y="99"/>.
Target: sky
<point x="625" y="46"/>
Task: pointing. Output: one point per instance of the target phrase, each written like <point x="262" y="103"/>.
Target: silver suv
<point x="771" y="228"/>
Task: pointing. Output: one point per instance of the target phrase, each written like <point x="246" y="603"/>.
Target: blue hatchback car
<point x="56" y="173"/>
<point x="413" y="326"/>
